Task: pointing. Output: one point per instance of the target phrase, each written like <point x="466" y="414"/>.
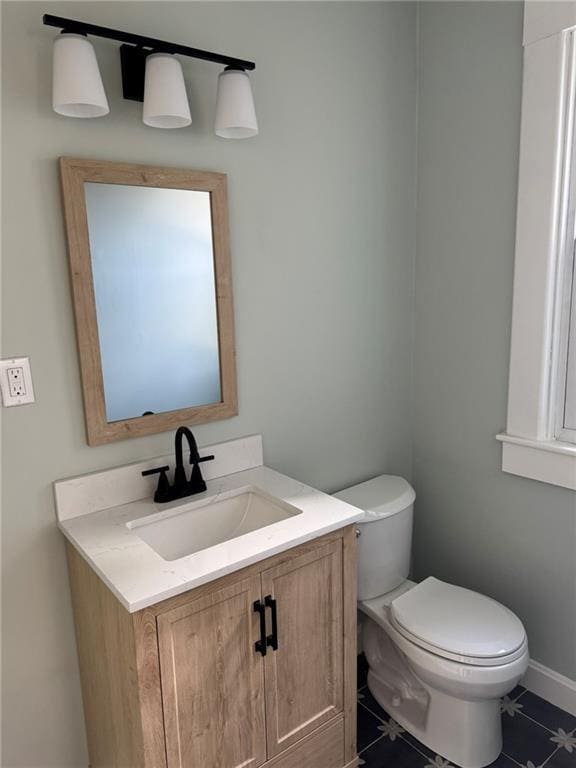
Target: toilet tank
<point x="385" y="539"/>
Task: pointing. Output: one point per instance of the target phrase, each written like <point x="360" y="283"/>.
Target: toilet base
<point x="452" y="708"/>
<point x="466" y="733"/>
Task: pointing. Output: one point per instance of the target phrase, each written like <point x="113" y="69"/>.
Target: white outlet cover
<point x="27" y="394"/>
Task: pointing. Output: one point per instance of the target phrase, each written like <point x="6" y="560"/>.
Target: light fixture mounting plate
<point x="133" y="62"/>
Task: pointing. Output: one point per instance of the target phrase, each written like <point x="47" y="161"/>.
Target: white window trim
<point x="530" y="447"/>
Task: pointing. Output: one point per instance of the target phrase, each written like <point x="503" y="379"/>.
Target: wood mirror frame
<point x="74" y="173"/>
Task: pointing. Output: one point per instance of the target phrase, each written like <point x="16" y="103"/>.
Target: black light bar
<point x="155" y="46"/>
<point x="136" y="48"/>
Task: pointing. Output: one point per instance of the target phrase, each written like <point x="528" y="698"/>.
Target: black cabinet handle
<point x="272" y="640"/>
<point x="260" y="645"/>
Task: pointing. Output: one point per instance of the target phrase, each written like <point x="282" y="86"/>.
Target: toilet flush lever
<point x="358" y="533"/>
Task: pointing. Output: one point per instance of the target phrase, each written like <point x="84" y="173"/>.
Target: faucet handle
<point x="197" y="483"/>
<point x="163" y="488"/>
<point x="160" y="470"/>
<point x="199" y="459"/>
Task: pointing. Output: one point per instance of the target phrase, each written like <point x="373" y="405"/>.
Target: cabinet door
<point x="213" y="680"/>
<point x="304" y="676"/>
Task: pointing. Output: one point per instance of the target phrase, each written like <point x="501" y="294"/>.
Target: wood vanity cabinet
<point x="185" y="684"/>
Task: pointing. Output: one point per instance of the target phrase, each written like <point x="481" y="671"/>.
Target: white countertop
<point x="139" y="577"/>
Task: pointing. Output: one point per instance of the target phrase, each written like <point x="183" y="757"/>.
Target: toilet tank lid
<point x="380" y="497"/>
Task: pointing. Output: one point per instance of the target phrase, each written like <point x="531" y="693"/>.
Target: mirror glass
<point x="152" y="261"/>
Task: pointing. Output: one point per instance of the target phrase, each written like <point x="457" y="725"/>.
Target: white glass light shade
<point x="235" y="112"/>
<point x="165" y="100"/>
<point x="77" y="89"/>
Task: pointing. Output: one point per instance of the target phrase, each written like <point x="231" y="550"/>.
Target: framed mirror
<point x="151" y="281"/>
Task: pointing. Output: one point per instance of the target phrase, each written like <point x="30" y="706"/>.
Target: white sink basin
<point x="176" y="533"/>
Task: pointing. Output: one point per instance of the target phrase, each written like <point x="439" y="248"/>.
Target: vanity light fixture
<point x="150" y="73"/>
<point x="235" y="112"/>
<point x="165" y="100"/>
<point x="78" y="90"/>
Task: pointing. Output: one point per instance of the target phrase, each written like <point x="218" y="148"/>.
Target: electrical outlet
<point x="16" y="382"/>
<point x="16" y="385"/>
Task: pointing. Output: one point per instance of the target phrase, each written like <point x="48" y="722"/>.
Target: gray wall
<point x="510" y="537"/>
<point x="323" y="242"/>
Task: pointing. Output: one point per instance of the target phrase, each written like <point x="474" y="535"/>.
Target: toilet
<point x="440" y="656"/>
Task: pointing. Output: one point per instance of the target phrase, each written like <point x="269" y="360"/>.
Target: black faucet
<point x="182" y="486"/>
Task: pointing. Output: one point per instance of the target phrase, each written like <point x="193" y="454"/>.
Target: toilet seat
<point x="458" y="624"/>
<point x="472" y="661"/>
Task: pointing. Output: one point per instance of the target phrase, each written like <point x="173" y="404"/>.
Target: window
<point x="566" y="393"/>
<point x="540" y="437"/>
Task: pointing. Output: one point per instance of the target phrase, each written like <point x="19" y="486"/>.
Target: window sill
<point x="549" y="461"/>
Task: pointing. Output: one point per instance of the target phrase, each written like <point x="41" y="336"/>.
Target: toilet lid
<point x="458" y="621"/>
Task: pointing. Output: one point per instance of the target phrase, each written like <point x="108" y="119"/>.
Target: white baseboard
<point x="550" y="685"/>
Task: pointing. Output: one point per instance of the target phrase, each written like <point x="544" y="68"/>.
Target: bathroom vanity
<point x="216" y="631"/>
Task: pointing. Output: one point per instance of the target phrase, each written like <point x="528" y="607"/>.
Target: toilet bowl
<point x="440" y="656"/>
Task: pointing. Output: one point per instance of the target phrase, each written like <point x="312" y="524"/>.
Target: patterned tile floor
<point x="536" y="734"/>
